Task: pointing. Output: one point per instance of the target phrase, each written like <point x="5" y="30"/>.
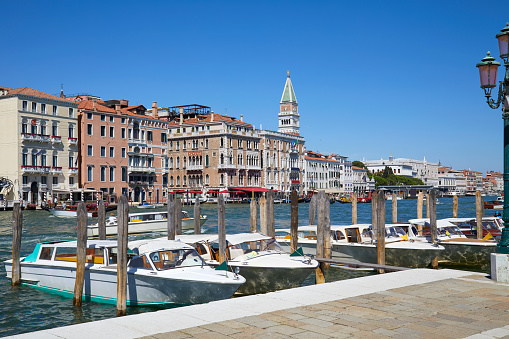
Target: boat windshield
<point x="394" y="232"/>
<point x="168" y="259"/>
<point x="451" y="230"/>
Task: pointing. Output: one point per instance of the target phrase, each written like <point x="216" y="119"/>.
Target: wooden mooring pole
<point x="327" y="251"/>
<point x="354" y="208"/>
<point x="294" y="221"/>
<point x="394" y="207"/>
<point x="312" y="210"/>
<point x="374" y="201"/>
<point x="122" y="223"/>
<point x="420" y="199"/>
<point x="101" y="220"/>
<point x="479" y="209"/>
<point x="433" y="223"/>
<point x="81" y="253"/>
<point x="271" y="222"/>
<point x="320" y="240"/>
<point x="427" y="206"/>
<point x="263" y="214"/>
<point x="221" y="228"/>
<point x="17" y="225"/>
<point x="197" y="212"/>
<point x="380" y="224"/>
<point x="454" y="206"/>
<point x="252" y="213"/>
<point x="178" y="216"/>
<point x="171" y="216"/>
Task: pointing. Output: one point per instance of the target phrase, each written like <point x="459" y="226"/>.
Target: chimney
<point x="212" y="116"/>
<point x="154" y="109"/>
<point x="93" y="105"/>
<point x="181" y="110"/>
<point x="241" y="118"/>
<point x="117" y="108"/>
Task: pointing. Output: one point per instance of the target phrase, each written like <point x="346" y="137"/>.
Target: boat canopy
<point x="236" y="239"/>
<point x="195" y="238"/>
<point x="151" y="245"/>
<point x="425" y="222"/>
<point x="90" y="243"/>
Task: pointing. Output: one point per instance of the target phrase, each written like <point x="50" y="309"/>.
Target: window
<point x="122" y="132"/>
<point x="124" y="174"/>
<point x="122" y="120"/>
<point x="43" y="159"/>
<point x="24" y="160"/>
<point x="55" y="110"/>
<point x="149" y="135"/>
<point x="112" y="174"/>
<point x="34" y="107"/>
<point x="71" y="180"/>
<point x="54" y="130"/>
<point x="89" y="129"/>
<point x="112" y="152"/>
<point x="55" y="181"/>
<point x="44" y="180"/>
<point x="103" y="151"/>
<point x="112" y="131"/>
<point x="25" y="180"/>
<point x="90" y="150"/>
<point x="123" y="152"/>
<point x="178" y="180"/>
<point x="112" y="118"/>
<point x="25" y="106"/>
<point x="89" y="173"/>
<point x="103" y="131"/>
<point x="71" y="161"/>
<point x="43" y="108"/>
<point x="207" y="160"/>
<point x="89" y="116"/>
<point x="171" y="180"/>
<point x="136" y="131"/>
<point x="177" y="146"/>
<point x="163" y="137"/>
<point x="55" y="161"/>
<point x="71" y="131"/>
<point x="103" y="117"/>
<point x="103" y="173"/>
<point x="71" y="112"/>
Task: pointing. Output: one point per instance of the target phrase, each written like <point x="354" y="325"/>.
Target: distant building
<point x="38" y="143"/>
<point x="496" y="179"/>
<point x="473" y="180"/>
<point x="420" y="169"/>
<point x="361" y="181"/>
<point x="322" y="173"/>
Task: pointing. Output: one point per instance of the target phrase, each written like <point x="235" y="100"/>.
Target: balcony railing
<point x="165" y="170"/>
<point x="254" y="167"/>
<point x="56" y="170"/>
<point x="195" y="167"/>
<point x="56" y="139"/>
<point x="30" y="169"/>
<point x="73" y="186"/>
<point x="141" y="169"/>
<point x="73" y="170"/>
<point x="35" y="137"/>
<point x="44" y="169"/>
<point x="223" y="166"/>
<point x="73" y="141"/>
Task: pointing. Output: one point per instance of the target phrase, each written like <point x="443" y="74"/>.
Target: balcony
<point x="44" y="138"/>
<point x="195" y="167"/>
<point x="30" y="169"/>
<point x="35" y="137"/>
<point x="141" y="169"/>
<point x="227" y="166"/>
<point x="44" y="169"/>
<point x="72" y="141"/>
<point x="55" y="185"/>
<point x="73" y="170"/>
<point x="56" y="139"/>
<point x="73" y="186"/>
<point x="253" y="167"/>
<point x="56" y="170"/>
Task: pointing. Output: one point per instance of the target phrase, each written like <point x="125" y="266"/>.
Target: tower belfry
<point x="288" y="110"/>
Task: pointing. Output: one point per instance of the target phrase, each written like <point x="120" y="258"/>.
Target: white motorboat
<point x="354" y="243"/>
<point x="166" y="272"/>
<point x="459" y="249"/>
<point x="258" y="258"/>
<point x="146" y="205"/>
<point x="145" y="223"/>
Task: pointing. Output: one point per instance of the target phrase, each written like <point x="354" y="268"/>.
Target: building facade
<point x="420" y="169"/>
<point x="39" y="144"/>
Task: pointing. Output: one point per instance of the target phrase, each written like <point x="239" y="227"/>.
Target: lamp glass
<point x="503" y="44"/>
<point x="488" y="74"/>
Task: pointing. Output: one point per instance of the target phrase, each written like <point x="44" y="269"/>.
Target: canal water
<point x="24" y="309"/>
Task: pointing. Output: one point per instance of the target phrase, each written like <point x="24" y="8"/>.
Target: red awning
<point x="254" y="189"/>
<point x="194" y="192"/>
<point x="179" y="191"/>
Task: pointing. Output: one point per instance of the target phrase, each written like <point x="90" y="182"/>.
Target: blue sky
<point x="372" y="78"/>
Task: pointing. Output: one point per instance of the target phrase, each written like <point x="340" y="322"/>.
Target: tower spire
<point x="288" y="109"/>
<point x="288" y="93"/>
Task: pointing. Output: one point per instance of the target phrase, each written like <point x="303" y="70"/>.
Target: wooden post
<point x="374" y="201"/>
<point x="454" y="206"/>
<point x="420" y="199"/>
<point x="271" y="223"/>
<point x="380" y="222"/>
<point x="197" y="212"/>
<point x="17" y="225"/>
<point x="221" y="228"/>
<point x="122" y="224"/>
<point x="354" y="208"/>
<point x="178" y="216"/>
<point x="81" y="253"/>
<point x="394" y="208"/>
<point x="326" y="233"/>
<point x="479" y="207"/>
<point x="433" y="223"/>
<point x="252" y="213"/>
<point x="312" y="210"/>
<point x="320" y="230"/>
<point x="427" y="206"/>
<point x="263" y="214"/>
<point x="294" y="221"/>
<point x="101" y="220"/>
<point x="171" y="216"/>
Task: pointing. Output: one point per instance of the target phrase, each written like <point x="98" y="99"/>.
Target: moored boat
<point x="163" y="273"/>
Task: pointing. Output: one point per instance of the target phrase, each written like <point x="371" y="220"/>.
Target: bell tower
<point x="288" y="110"/>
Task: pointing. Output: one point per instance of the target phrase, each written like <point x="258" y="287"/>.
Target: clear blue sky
<point x="372" y="78"/>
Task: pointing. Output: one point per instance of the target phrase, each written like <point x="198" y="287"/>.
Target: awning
<point x="253" y="189"/>
<point x="226" y="191"/>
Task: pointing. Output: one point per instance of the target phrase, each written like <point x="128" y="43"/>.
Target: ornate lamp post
<point x="488" y="71"/>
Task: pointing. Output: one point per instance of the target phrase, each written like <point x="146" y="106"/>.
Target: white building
<point x="361" y="181"/>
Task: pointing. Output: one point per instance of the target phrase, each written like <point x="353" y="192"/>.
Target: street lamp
<point x="488" y="71"/>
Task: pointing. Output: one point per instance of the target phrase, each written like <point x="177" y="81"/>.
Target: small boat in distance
<point x="494" y="204"/>
<point x="146" y="205"/>
<point x="145" y="223"/>
<point x="162" y="273"/>
<point x="70" y="211"/>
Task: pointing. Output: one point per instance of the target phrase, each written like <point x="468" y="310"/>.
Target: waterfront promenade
<point x="417" y="303"/>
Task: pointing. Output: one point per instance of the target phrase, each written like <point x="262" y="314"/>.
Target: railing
<point x="35" y="137"/>
<point x="44" y="169"/>
<point x="73" y="170"/>
<point x="226" y="166"/>
<point x="254" y="167"/>
<point x="194" y="167"/>
<point x="56" y="139"/>
<point x="55" y="185"/>
<point x="56" y="170"/>
<point x="30" y="169"/>
<point x="73" y="141"/>
<point x="45" y="138"/>
<point x="141" y="169"/>
<point x="165" y="170"/>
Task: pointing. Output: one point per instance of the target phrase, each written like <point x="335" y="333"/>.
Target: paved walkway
<point x="409" y="304"/>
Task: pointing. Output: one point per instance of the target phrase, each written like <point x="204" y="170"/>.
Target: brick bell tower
<point x="288" y="110"/>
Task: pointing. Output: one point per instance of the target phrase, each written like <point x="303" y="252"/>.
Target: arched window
<point x="207" y="179"/>
<point x="178" y="180"/>
<point x="222" y="159"/>
<point x="222" y="179"/>
<point x="136" y="130"/>
<point x="171" y="162"/>
<point x="207" y="160"/>
<point x="185" y="180"/>
<point x="171" y="180"/>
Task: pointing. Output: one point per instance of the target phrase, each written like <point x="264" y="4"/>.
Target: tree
<point x="358" y="163"/>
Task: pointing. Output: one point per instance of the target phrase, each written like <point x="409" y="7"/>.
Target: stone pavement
<point x="453" y="308"/>
<point x="418" y="303"/>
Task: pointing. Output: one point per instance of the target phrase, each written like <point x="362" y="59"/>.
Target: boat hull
<point x="468" y="254"/>
<point x="67" y="213"/>
<point x="142" y="289"/>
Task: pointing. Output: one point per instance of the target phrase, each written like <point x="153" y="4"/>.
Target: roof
<point x="202" y="118"/>
<point x="34" y="93"/>
<point x="288" y="93"/>
<point x="151" y="245"/>
<point x="88" y="105"/>
<point x="358" y="168"/>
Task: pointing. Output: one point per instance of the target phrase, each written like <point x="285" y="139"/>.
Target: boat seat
<point x="236" y="252"/>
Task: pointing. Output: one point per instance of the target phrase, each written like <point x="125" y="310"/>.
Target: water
<point x="24" y="309"/>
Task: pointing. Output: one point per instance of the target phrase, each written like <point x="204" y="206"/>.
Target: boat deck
<point x="418" y="303"/>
